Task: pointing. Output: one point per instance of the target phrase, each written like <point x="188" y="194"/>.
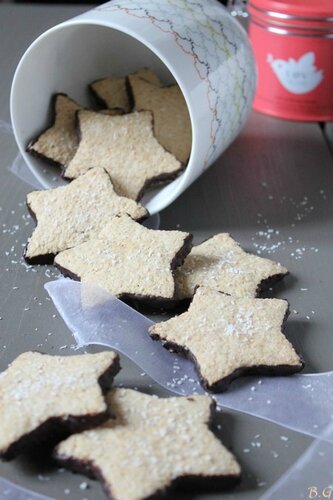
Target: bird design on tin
<point x="297" y="76"/>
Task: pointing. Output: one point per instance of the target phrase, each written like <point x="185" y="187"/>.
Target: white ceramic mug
<point x="193" y="42"/>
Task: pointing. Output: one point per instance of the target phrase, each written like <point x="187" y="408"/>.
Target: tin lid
<point x="309" y="9"/>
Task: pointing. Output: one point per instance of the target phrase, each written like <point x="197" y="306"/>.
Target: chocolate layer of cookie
<point x="40" y="156"/>
<point x="159" y="180"/>
<point x="182" y="253"/>
<point x="52" y="431"/>
<point x="190" y="483"/>
<point x="223" y="384"/>
<point x="154" y="302"/>
<point x="267" y="283"/>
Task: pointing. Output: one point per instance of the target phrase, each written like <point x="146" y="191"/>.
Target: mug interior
<point x="65" y="59"/>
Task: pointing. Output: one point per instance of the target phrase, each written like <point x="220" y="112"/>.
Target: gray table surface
<point x="277" y="175"/>
<point x="329" y="133"/>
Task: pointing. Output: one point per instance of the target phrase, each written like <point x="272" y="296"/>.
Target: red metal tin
<point x="293" y="45"/>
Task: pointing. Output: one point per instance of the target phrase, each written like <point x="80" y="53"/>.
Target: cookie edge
<point x="31" y="143"/>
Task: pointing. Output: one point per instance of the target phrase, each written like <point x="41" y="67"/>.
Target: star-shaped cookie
<point x="172" y="124"/>
<point x="69" y="215"/>
<point x="125" y="147"/>
<point x="220" y="263"/>
<point x="113" y="92"/>
<point x="151" y="445"/>
<point x="230" y="336"/>
<point x="45" y="398"/>
<point x="59" y="142"/>
<point x="129" y="260"/>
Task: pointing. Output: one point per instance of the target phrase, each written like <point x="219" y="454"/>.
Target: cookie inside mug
<point x="61" y="60"/>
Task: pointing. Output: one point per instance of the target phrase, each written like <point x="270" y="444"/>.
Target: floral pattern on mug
<point x="206" y="33"/>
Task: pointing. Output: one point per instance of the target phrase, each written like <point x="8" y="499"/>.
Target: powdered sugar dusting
<point x="269" y="239"/>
